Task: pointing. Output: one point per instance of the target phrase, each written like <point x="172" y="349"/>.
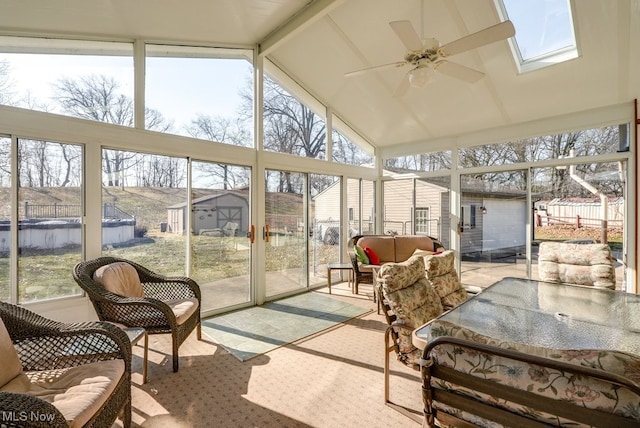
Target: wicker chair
<point x="152" y="311"/>
<point x="358" y="276"/>
<point x="47" y="348"/>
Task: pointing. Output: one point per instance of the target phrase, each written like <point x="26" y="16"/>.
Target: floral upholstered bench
<point x="472" y="378"/>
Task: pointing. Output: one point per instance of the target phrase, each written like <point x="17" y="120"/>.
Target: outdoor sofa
<point x="387" y="248"/>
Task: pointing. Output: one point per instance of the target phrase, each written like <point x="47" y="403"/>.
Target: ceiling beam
<point x="315" y="10"/>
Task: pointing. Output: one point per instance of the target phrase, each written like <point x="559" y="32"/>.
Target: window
<point x="583" y="142"/>
<point x="425" y="162"/>
<point x="348" y="147"/>
<point x="138" y="192"/>
<point x="294" y="121"/>
<point x="86" y="79"/>
<point x="206" y="93"/>
<point x="5" y="217"/>
<point x="50" y="212"/>
<point x="422" y="220"/>
<point x="544" y="32"/>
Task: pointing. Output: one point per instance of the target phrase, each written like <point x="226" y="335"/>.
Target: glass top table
<point x="549" y="315"/>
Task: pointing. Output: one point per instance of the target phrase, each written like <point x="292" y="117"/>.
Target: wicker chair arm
<point x="137" y="312"/>
<point x="73" y="345"/>
<point x="172" y="288"/>
<point x="23" y="410"/>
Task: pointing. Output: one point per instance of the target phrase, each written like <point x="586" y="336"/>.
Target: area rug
<point x="250" y="332"/>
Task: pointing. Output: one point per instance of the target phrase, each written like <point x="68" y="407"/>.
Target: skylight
<point x="544" y="31"/>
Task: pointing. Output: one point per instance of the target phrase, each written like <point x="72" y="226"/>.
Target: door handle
<point x="252" y="234"/>
<point x="266" y="233"/>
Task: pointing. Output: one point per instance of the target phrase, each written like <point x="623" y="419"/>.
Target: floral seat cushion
<point x="588" y="393"/>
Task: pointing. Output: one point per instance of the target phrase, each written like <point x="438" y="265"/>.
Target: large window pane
<point x="285" y="232"/>
<point x="290" y="125"/>
<point x="50" y="215"/>
<point x="221" y="218"/>
<point x="200" y="92"/>
<point x="417" y="206"/>
<point x="397" y="207"/>
<point x="348" y="146"/>
<point x="324" y="212"/>
<point x="493" y="215"/>
<point x="137" y="195"/>
<point x="86" y="79"/>
<point x="360" y="203"/>
<point x="587" y="142"/>
<point x="583" y="203"/>
<point x="425" y="162"/>
<point x="5" y="217"/>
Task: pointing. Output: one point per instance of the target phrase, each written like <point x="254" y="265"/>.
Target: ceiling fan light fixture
<point x="419" y="77"/>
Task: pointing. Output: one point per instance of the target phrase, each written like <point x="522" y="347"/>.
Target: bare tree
<point x="98" y="97"/>
<point x="223" y="130"/>
<point x="6" y="85"/>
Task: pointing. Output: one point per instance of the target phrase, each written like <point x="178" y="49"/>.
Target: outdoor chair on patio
<point x="54" y="374"/>
<point x="127" y="293"/>
<point x="408" y="301"/>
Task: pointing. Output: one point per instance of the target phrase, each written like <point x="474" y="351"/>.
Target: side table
<point x="135" y="334"/>
<point x="340" y="266"/>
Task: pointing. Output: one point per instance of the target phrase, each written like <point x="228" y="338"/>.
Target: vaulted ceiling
<point x="317" y="42"/>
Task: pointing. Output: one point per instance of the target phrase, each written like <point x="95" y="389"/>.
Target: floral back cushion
<point x="441" y="274"/>
<point x="410" y="297"/>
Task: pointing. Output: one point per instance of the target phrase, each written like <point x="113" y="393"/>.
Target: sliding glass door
<point x="220" y="221"/>
<point x="285" y="233"/>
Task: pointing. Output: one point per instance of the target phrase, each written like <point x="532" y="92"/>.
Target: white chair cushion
<point x="183" y="308"/>
<point x="78" y="392"/>
<point x="10" y="365"/>
<point x="120" y="278"/>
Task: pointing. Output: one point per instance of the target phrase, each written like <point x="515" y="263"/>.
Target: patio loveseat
<point x="387" y="248"/>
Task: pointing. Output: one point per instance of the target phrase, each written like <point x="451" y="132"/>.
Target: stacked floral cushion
<point x="443" y="277"/>
<point x="581" y="264"/>
<point x="412" y="299"/>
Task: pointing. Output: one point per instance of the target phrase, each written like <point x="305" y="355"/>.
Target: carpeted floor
<point x="330" y="379"/>
<point x="250" y="332"/>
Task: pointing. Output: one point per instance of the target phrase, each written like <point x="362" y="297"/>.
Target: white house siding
<point x="431" y="197"/>
<point x="397" y="207"/>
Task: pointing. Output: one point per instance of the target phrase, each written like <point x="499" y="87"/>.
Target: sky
<point x="179" y="88"/>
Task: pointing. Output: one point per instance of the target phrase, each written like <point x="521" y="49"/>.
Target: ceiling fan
<point x="427" y="56"/>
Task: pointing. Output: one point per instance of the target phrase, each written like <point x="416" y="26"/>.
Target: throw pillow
<point x="361" y="256"/>
<point x="120" y="278"/>
<point x="11" y="365"/>
<point x="373" y="257"/>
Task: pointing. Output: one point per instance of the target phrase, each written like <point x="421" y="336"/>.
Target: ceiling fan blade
<point x="375" y="68"/>
<point x="492" y="34"/>
<point x="403" y="87"/>
<point x="458" y="71"/>
<point x="407" y="34"/>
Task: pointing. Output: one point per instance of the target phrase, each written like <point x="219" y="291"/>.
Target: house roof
<point x="317" y="42"/>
